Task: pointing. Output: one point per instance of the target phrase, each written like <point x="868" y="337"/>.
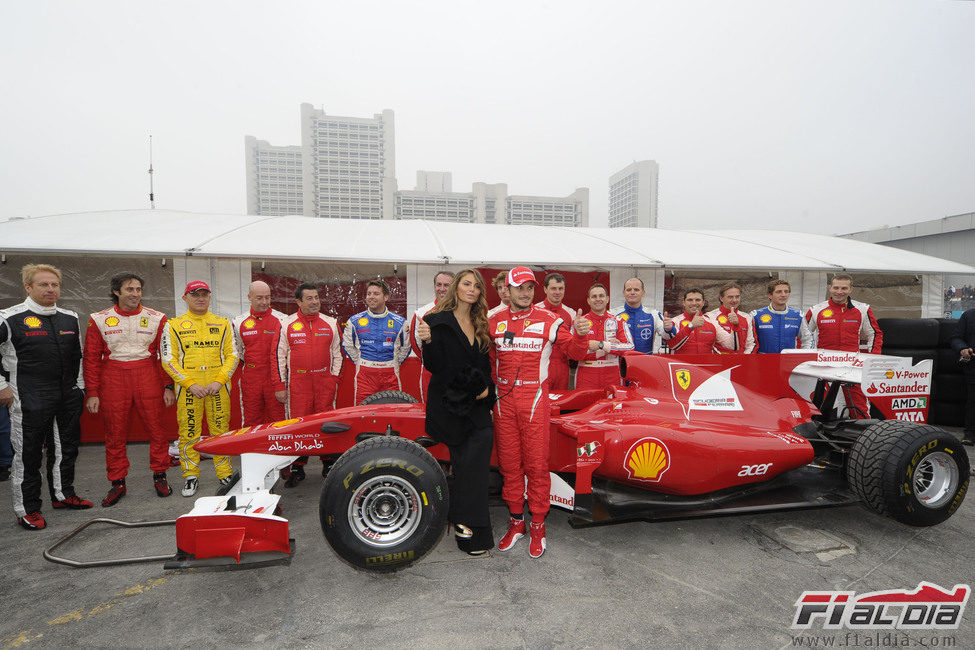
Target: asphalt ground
<point x="718" y="582"/>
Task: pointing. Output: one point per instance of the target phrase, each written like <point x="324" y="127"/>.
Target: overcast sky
<point x="828" y="117"/>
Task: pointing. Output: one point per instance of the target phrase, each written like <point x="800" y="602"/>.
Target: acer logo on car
<point x="754" y="470"/>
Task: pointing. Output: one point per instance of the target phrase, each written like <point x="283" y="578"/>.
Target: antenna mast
<point x="152" y="196"/>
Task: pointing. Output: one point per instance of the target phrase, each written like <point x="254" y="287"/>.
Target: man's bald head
<point x="259" y="295"/>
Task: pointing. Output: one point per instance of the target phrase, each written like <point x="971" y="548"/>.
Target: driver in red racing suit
<point x="524" y="340"/>
<point x="841" y="323"/>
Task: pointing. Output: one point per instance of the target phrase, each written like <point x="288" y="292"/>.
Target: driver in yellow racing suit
<point x="198" y="352"/>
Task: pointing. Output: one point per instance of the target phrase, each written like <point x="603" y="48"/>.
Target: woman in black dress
<point x="455" y="350"/>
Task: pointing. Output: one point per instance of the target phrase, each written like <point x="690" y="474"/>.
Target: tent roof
<point x="174" y="233"/>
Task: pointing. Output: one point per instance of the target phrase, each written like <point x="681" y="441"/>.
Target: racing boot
<point x="115" y="493"/>
<point x="537" y="535"/>
<point x="516" y="530"/>
<point x="163" y="488"/>
<point x="191" y="486"/>
<point x="74" y="502"/>
<point x="32" y="520"/>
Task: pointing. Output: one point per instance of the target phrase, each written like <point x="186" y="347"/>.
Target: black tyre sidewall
<point x="389" y="397"/>
<point x="902" y="504"/>
<point x="384" y="456"/>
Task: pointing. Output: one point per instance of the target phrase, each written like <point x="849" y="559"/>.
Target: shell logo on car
<point x="32" y="321"/>
<point x="647" y="460"/>
<point x="111" y="321"/>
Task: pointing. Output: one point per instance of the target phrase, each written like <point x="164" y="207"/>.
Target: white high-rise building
<point x="273" y="178"/>
<point x="348" y="165"/>
<point x="571" y="211"/>
<point x="633" y="195"/>
<point x="488" y="203"/>
<point x="345" y="169"/>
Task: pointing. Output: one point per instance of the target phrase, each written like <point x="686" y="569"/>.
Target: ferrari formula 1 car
<point x="686" y="437"/>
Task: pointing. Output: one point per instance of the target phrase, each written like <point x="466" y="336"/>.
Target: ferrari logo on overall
<point x="143" y="322"/>
<point x="683" y="377"/>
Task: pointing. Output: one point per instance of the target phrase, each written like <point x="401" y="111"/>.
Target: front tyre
<point x="384" y="504"/>
<point x="915" y="473"/>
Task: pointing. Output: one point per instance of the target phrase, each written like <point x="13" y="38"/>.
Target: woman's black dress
<point x="459" y="372"/>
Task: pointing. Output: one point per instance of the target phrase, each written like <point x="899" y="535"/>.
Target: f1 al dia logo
<point x="929" y="607"/>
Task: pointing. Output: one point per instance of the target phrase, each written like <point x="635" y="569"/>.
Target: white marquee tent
<point x="221" y="247"/>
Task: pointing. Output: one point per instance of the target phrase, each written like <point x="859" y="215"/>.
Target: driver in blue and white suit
<point x="377" y="341"/>
<point x="780" y="327"/>
<point x="647" y="328"/>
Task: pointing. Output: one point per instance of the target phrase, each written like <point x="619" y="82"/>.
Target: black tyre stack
<point x="948" y="384"/>
<point x="929" y="338"/>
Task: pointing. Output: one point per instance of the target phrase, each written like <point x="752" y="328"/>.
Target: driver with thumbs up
<point x="647" y="328"/>
<point x="695" y="333"/>
<point x="524" y="338"/>
<point x="608" y="340"/>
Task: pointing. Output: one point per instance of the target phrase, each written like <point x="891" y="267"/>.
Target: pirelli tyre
<point x="390" y="397"/>
<point x="384" y="504"/>
<point x="914" y="473"/>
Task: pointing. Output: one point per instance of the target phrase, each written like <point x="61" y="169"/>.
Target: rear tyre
<point x="390" y="397"/>
<point x="914" y="473"/>
<point x="384" y="504"/>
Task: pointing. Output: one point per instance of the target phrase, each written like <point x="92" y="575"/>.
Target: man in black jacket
<point x="962" y="342"/>
<point x="41" y="384"/>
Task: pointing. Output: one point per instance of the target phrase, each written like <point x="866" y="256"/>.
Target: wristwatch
<point x="600" y="345"/>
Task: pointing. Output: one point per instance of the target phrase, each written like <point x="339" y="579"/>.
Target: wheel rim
<point x="384" y="511"/>
<point x="935" y="479"/>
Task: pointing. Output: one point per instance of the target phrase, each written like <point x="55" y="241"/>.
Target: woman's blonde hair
<point x="478" y="310"/>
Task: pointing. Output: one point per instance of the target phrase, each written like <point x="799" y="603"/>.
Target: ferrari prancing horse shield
<point x="683" y="376"/>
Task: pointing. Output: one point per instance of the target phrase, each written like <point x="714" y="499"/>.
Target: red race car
<point x="689" y="436"/>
